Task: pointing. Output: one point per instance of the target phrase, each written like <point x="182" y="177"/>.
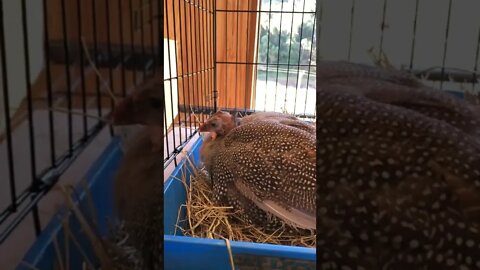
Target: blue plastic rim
<point x="42" y="254"/>
<point x="457" y="94"/>
<point x="202" y="253"/>
<point x="213" y="254"/>
<point x="180" y="252"/>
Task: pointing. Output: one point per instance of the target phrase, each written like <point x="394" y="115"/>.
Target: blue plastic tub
<point x="180" y="252"/>
<point x="183" y="252"/>
<point x="213" y="254"/>
<point x="42" y="254"/>
<point x="457" y="94"/>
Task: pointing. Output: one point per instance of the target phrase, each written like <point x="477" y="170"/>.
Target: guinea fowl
<point x="399" y="189"/>
<point x="263" y="168"/>
<point x="403" y="90"/>
<point x="143" y="106"/>
<point x="221" y="123"/>
<point x="137" y="194"/>
<point x="246" y="209"/>
<point x="138" y="184"/>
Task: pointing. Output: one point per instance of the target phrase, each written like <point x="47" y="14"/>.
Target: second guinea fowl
<point x="143" y="106"/>
<point x="137" y="191"/>
<point x="138" y="184"/>
<point x="400" y="190"/>
<point x="398" y="88"/>
<point x="270" y="164"/>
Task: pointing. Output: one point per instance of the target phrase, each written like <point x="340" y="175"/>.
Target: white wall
<point x="15" y="52"/>
<point x="430" y="36"/>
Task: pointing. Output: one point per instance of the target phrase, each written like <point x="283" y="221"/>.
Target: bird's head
<point x="144" y="106"/>
<point x="219" y="124"/>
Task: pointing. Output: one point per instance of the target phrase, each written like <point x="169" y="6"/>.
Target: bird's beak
<point x="203" y="128"/>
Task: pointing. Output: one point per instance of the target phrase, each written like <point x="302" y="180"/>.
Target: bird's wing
<point x="382" y="145"/>
<point x="294" y="217"/>
<point x="393" y="93"/>
<point x="423" y="100"/>
<point x="277" y="163"/>
<point x="385" y="157"/>
<point x="466" y="192"/>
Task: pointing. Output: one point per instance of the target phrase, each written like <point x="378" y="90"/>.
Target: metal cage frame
<point x="210" y="8"/>
<point x="71" y="51"/>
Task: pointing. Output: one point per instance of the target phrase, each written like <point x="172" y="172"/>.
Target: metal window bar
<point x="189" y="72"/>
<point x="49" y="84"/>
<point x="299" y="55"/>
<point x="122" y="46"/>
<point x="82" y="69"/>
<point x="272" y="62"/>
<point x="109" y="53"/>
<point x="34" y="182"/>
<point x="132" y="37"/>
<point x="278" y="55"/>
<point x="177" y="70"/>
<point x="171" y="90"/>
<point x="68" y="75"/>
<point x="95" y="53"/>
<point x="142" y="34"/>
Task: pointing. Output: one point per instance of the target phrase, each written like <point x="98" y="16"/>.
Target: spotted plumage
<point x="403" y="90"/>
<point x="280" y="118"/>
<point x="398" y="189"/>
<point x="138" y="185"/>
<point x="137" y="193"/>
<point x="264" y="166"/>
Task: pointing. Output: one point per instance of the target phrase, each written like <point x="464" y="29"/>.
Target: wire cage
<point x="60" y="58"/>
<point x="239" y="56"/>
<point x="62" y="65"/>
<point x="439" y="46"/>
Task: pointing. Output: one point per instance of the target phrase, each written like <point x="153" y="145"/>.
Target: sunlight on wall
<point x="171" y="91"/>
<point x="15" y="55"/>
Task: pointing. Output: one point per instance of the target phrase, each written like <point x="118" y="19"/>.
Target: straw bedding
<point x="207" y="220"/>
<point x="203" y="219"/>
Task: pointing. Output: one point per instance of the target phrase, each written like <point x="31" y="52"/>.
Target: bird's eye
<point x="214" y="124"/>
<point x="155" y="103"/>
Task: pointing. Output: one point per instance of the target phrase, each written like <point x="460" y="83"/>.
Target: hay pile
<point x="113" y="252"/>
<point x="206" y="220"/>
